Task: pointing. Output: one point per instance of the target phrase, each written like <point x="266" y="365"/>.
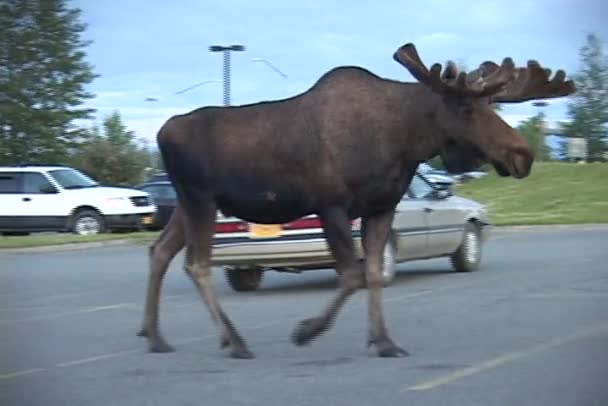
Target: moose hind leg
<point x="164" y="249"/>
<point x="199" y="235"/>
<point x="340" y="241"/>
<point x="375" y="231"/>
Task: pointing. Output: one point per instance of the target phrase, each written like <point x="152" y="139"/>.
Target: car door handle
<point x="428" y="210"/>
<point x="27" y="199"/>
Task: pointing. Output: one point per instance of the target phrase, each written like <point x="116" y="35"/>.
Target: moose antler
<point x="483" y="85"/>
<point x="531" y="83"/>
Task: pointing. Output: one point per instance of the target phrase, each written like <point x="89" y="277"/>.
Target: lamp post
<point x="226" y="51"/>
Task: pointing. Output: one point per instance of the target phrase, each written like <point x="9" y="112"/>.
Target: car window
<point x="72" y="179"/>
<point x="419" y="189"/>
<point x="36" y="183"/>
<point x="160" y="191"/>
<point x="10" y="182"/>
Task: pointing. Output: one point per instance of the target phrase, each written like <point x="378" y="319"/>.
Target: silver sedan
<point x="429" y="222"/>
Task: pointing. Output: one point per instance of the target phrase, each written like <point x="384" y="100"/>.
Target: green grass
<point x="39" y="240"/>
<point x="554" y="193"/>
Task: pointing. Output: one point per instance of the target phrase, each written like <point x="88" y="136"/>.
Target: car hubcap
<point x="471" y="244"/>
<point x="388" y="262"/>
<point x="87" y="226"/>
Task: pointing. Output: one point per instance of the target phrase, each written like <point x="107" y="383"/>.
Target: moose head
<point x="471" y="131"/>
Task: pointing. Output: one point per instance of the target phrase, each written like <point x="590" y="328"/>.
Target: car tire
<point x="468" y="256"/>
<point x="87" y="222"/>
<point x="245" y="279"/>
<point x="389" y="262"/>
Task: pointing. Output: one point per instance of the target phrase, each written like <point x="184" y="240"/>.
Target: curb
<point x="66" y="247"/>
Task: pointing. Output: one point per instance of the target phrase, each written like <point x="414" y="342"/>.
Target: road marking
<point x="69" y="313"/>
<point x="21" y="373"/>
<point x="504" y="359"/>
<point x="53" y="298"/>
<point x="96" y="358"/>
<point x="568" y="295"/>
<point x="135" y="351"/>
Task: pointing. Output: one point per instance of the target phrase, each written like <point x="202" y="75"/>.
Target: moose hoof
<point x="160" y="347"/>
<point x="392" y="351"/>
<point x="307" y="330"/>
<point x="241" y="353"/>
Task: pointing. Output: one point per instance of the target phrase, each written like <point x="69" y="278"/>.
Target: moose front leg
<point x="375" y="232"/>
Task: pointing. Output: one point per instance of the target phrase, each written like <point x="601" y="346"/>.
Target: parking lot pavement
<point x="529" y="328"/>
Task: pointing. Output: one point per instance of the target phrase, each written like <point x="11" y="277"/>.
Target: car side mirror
<point x="442" y="193"/>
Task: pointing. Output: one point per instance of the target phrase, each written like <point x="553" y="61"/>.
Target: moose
<point x="346" y="148"/>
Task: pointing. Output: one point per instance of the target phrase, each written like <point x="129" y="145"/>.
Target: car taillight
<point x="306" y="222"/>
<point x="230" y="227"/>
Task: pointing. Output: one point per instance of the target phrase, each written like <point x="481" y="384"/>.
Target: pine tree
<point x="43" y="74"/>
<point x="588" y="109"/>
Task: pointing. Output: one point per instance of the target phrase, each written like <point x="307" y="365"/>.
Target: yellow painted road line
<point x="504" y="359"/>
<point x="131" y="352"/>
<point x="96" y="358"/>
<point x="21" y="373"/>
<point x="69" y="313"/>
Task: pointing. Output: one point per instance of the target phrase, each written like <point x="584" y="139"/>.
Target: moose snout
<point x="520" y="163"/>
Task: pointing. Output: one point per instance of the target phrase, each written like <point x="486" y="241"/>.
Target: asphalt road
<point x="530" y="328"/>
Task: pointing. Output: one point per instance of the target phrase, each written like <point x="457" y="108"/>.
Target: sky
<point x="155" y="48"/>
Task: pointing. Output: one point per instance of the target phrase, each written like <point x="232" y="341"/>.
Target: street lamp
<point x="226" y="50"/>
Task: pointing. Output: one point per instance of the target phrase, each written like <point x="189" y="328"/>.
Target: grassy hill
<point x="555" y="193"/>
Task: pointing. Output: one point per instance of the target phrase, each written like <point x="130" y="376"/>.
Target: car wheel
<point x="87" y="222"/>
<point x="389" y="262"/>
<point x="244" y="279"/>
<point x="468" y="256"/>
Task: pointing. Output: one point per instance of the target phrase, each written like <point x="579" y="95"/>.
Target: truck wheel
<point x="87" y="222"/>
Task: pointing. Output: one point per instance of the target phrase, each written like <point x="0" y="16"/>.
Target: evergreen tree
<point x="588" y="109"/>
<point x="43" y="74"/>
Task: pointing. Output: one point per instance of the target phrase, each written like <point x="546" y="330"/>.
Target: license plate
<point x="265" y="230"/>
<point x="147" y="220"/>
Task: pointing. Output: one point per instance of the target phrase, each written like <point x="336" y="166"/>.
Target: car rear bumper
<point x="302" y="253"/>
<point x="271" y="253"/>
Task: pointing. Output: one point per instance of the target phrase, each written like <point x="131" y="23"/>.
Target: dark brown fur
<point x="346" y="148"/>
